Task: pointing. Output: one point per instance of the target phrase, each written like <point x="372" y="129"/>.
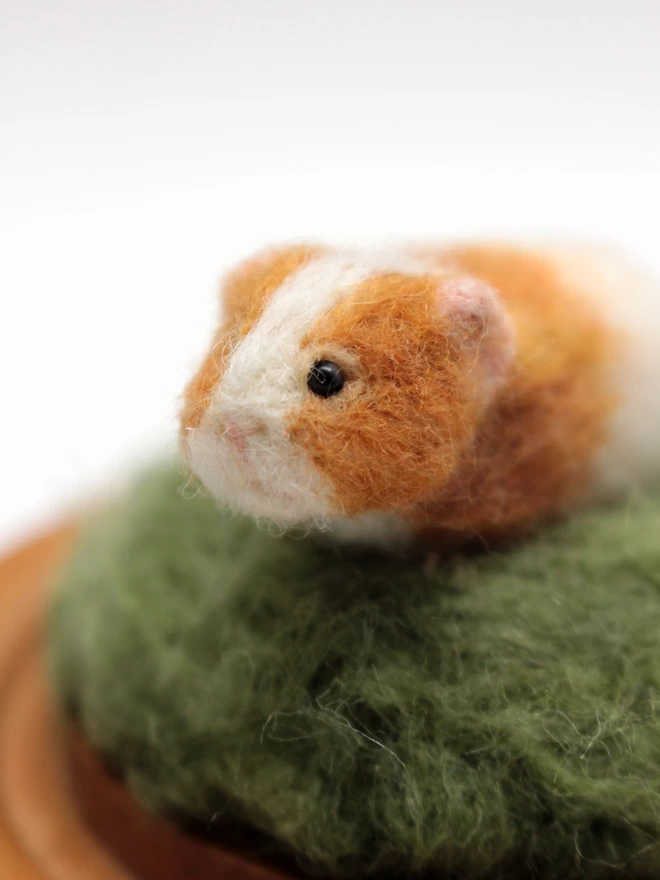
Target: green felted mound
<point x="494" y="718"/>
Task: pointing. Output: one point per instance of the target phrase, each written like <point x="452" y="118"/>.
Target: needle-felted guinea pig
<point x="424" y="394"/>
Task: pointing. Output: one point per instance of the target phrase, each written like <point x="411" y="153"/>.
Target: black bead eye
<point x="325" y="379"/>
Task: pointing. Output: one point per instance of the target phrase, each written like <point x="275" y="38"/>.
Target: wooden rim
<point x="61" y="816"/>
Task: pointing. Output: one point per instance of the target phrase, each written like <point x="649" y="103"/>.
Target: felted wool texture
<point x="496" y="716"/>
<point x="466" y="369"/>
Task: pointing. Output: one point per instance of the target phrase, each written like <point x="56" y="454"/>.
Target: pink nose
<point x="237" y="435"/>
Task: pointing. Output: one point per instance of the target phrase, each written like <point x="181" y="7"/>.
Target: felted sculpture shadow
<point x="496" y="716"/>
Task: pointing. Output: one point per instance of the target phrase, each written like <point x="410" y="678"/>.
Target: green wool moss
<point x="493" y="717"/>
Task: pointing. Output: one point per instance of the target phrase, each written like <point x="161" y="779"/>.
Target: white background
<point x="145" y="146"/>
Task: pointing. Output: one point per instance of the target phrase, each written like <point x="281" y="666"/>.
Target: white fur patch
<point x="629" y="297"/>
<point x="263" y="387"/>
<point x="387" y="531"/>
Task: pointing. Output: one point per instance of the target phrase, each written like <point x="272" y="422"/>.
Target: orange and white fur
<point x="476" y="390"/>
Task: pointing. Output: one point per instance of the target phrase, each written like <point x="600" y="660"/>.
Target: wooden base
<point x="61" y="816"/>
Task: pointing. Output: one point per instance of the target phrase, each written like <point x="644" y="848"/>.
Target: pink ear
<point x="479" y="325"/>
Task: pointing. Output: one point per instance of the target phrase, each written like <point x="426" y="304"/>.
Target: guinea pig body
<point x="427" y="393"/>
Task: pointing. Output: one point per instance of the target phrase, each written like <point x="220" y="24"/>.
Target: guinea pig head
<point x="342" y="384"/>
